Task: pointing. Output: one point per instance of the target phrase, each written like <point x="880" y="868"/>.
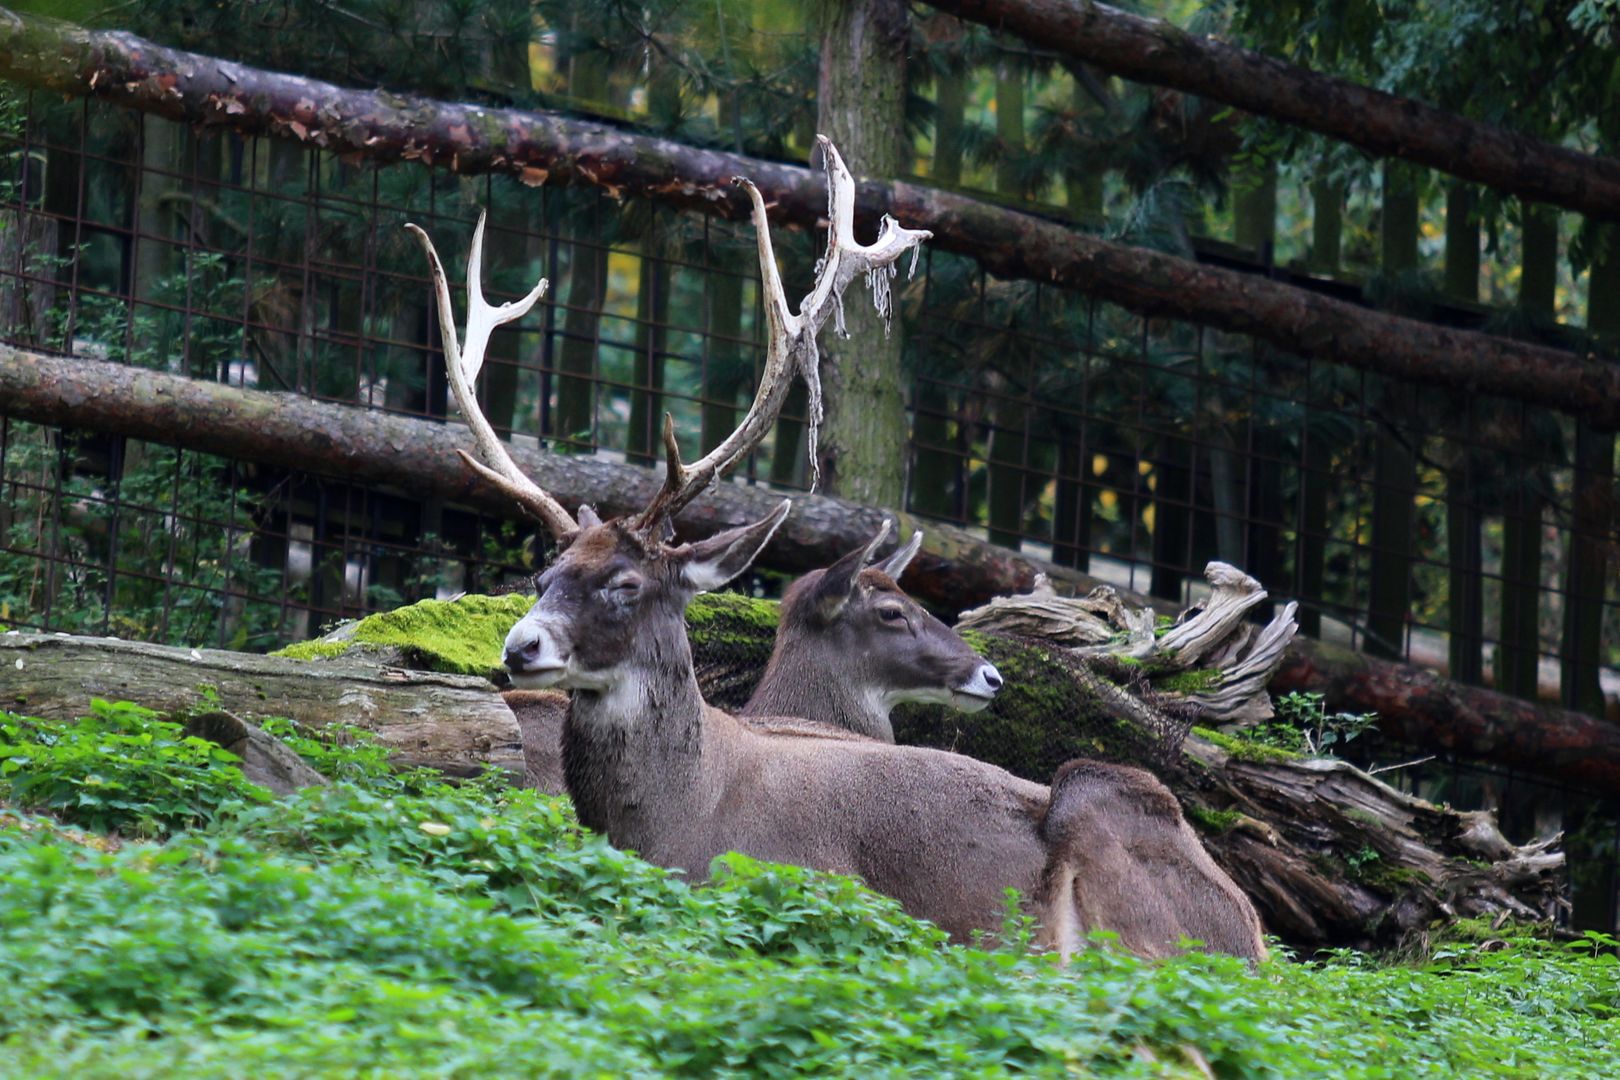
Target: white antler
<point x="791" y="349"/>
<point x="463" y="364"/>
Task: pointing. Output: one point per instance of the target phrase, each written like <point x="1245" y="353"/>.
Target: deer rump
<point x="649" y="764"/>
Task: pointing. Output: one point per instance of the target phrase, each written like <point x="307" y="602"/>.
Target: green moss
<point x="1393" y="880"/>
<point x="1041" y="718"/>
<point x="721" y="617"/>
<point x="314" y="650"/>
<point x="1190" y="682"/>
<point x="464" y="636"/>
<point x="1245" y="749"/>
<point x="1212" y="821"/>
<point x="460" y="637"/>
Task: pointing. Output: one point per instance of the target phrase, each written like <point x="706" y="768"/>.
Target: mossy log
<point x="455" y="723"/>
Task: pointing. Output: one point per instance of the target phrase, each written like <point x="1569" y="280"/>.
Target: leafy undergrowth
<point x="393" y="926"/>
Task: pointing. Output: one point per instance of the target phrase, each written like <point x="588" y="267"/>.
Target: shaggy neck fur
<point x="632" y="753"/>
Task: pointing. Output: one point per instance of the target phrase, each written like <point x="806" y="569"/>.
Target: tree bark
<point x="953" y="571"/>
<point x="418" y="457"/>
<point x="1008" y="435"/>
<point x="1465" y="607"/>
<point x="1518" y="652"/>
<point x="1389" y="586"/>
<point x="861" y="100"/>
<point x="1597" y="498"/>
<point x="1435" y="714"/>
<point x="1156" y="52"/>
<point x="456" y="723"/>
<point x="546" y="148"/>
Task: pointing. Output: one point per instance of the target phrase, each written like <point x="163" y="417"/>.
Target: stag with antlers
<point x="652" y="766"/>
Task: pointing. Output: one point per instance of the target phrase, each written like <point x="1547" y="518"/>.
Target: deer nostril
<point x="992" y="677"/>
<point x="520" y="656"/>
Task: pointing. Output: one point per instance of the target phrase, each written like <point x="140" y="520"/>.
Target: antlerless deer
<point x="649" y="764"/>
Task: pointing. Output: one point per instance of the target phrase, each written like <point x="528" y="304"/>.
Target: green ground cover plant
<point x="394" y="925"/>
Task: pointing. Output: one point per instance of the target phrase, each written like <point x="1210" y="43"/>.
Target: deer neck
<point x="802" y="680"/>
<point x="633" y="755"/>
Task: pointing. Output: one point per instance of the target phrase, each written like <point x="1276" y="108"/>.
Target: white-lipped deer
<point x="851" y="645"/>
<point x="649" y="764"/>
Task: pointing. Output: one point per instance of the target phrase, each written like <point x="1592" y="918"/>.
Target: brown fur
<point x="540" y="715"/>
<point x="849" y="666"/>
<point x="658" y="771"/>
<point x="1137" y="867"/>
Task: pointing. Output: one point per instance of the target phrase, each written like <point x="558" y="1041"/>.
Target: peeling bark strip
<point x="1156" y="52"/>
<point x="955" y="569"/>
<point x="548" y="148"/>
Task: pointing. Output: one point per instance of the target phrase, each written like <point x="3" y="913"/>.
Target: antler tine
<point x="462" y="364"/>
<point x="791" y="349"/>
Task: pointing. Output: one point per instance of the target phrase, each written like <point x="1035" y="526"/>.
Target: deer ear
<point x="587" y="516"/>
<point x="837" y="582"/>
<point x="709" y="564"/>
<point x="896" y="564"/>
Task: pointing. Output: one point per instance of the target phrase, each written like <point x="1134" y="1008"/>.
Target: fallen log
<point x="454" y="723"/>
<point x="1433" y="713"/>
<point x="953" y="571"/>
<point x="553" y="149"/>
<point x="365" y="446"/>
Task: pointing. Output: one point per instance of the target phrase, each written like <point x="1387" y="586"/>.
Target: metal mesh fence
<point x="1439" y="526"/>
<point x="1412" y="522"/>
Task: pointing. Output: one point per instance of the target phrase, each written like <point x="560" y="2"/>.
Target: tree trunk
<point x="1465" y="607"/>
<point x="1389" y="586"/>
<point x="1592" y="529"/>
<point x="1327" y="226"/>
<point x="1156" y="52"/>
<point x="547" y="148"/>
<point x="456" y="723"/>
<point x="652" y="294"/>
<point x="724" y="372"/>
<point x="1518" y="653"/>
<point x="954" y="569"/>
<point x="936" y="471"/>
<point x="1462" y="243"/>
<point x="861" y="100"/>
<point x="1435" y="714"/>
<point x="1254" y="212"/>
<point x="575" y="418"/>
<point x="1008" y="436"/>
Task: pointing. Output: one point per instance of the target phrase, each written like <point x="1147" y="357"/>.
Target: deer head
<point x="618" y="589"/>
<point x="852" y="619"/>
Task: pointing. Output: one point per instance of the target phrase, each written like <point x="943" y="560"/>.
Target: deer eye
<point x="892" y="614"/>
<point x="624" y="586"/>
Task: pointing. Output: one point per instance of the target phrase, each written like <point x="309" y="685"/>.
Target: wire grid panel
<point x="1414" y="522"/>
